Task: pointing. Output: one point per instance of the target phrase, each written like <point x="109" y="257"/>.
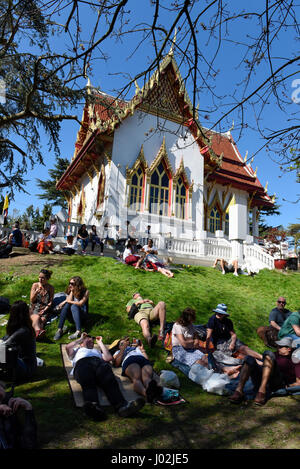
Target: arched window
<point x="214" y="220"/>
<point x="226" y="231"/>
<point x="135" y="192"/>
<point x="159" y="192"/>
<point x="180" y="199"/>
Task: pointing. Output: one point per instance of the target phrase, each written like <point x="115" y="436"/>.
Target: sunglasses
<point x="71" y="283"/>
<point x="282" y="302"/>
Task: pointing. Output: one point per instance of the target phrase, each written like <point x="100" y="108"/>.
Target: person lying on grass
<point x="146" y="313"/>
<point x="137" y="367"/>
<point x="91" y="369"/>
<point x="277" y="371"/>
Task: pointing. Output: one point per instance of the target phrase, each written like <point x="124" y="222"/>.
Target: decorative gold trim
<point x="161" y="155"/>
<point x="181" y="172"/>
<point x="250" y="199"/>
<point x="140" y="161"/>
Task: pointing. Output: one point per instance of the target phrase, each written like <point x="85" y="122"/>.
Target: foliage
<point x="48" y="48"/>
<point x="48" y="186"/>
<point x="293" y="230"/>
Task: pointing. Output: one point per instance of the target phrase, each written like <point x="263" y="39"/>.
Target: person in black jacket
<point x="20" y="335"/>
<point x="18" y="428"/>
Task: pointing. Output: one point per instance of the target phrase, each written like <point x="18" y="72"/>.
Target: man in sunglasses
<point x="91" y="369"/>
<point x="277" y="317"/>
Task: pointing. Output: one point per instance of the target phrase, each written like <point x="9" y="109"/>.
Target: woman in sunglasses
<point x="74" y="308"/>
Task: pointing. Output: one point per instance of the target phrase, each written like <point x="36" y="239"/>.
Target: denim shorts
<point x="138" y="359"/>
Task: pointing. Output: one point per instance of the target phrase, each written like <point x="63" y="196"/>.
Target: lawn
<point x="206" y="420"/>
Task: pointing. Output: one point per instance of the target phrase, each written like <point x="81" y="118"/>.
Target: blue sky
<point x="106" y="75"/>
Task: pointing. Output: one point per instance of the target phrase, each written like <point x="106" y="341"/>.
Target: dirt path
<point x="20" y="264"/>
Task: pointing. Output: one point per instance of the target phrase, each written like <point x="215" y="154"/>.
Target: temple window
<point x="159" y="191"/>
<point x="180" y="199"/>
<point x="135" y="192"/>
<point x="214" y="220"/>
<point x="226" y="227"/>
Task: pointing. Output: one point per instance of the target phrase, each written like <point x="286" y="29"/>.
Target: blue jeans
<point x="73" y="313"/>
<point x="84" y="243"/>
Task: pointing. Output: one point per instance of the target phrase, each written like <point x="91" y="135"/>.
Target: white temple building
<point x="150" y="162"/>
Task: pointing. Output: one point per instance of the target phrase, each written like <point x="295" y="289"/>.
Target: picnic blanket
<point x="124" y="383"/>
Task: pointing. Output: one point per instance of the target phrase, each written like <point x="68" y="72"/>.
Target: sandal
<point x="260" y="398"/>
<point x="236" y="398"/>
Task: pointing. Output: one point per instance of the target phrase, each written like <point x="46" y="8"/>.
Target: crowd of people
<point x="93" y="361"/>
<point x="93" y="366"/>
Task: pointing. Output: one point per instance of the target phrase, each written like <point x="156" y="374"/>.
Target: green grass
<point x="206" y="421"/>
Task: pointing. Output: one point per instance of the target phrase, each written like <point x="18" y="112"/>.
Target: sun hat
<point x="221" y="309"/>
<point x="285" y="342"/>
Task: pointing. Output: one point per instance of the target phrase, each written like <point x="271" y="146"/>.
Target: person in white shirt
<point x="148" y="248"/>
<point x="91" y="369"/>
<point x="231" y="266"/>
<point x="71" y="246"/>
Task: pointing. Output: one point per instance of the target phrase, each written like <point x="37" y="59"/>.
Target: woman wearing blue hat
<point x="220" y="331"/>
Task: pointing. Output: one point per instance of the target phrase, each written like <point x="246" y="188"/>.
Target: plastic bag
<point x="216" y="384"/>
<point x="199" y="374"/>
<point x="169" y="379"/>
<point x="296" y="356"/>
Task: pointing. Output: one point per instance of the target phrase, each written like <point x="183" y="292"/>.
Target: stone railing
<point x="217" y="248"/>
<point x="255" y="252"/>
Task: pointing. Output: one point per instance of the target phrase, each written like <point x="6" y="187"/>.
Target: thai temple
<point x="148" y="161"/>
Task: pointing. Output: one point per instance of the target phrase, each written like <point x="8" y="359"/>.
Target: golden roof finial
<point x="246" y="156"/>
<point x="266" y="186"/>
<point x="255" y="172"/>
<point x="171" y="51"/>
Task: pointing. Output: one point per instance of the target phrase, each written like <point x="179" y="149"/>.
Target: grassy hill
<point x="207" y="421"/>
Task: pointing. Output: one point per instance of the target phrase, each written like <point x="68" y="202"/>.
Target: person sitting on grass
<point x="185" y="343"/>
<point x="74" y="307"/>
<point x="277" y="371"/>
<point x="18" y="428"/>
<point x="145" y="314"/>
<point x="72" y="245"/>
<point x="291" y="327"/>
<point x="226" y="267"/>
<point x="21" y="335"/>
<point x="137" y="367"/>
<point x="41" y="298"/>
<point x="153" y="263"/>
<point x="220" y="331"/>
<point x="91" y="369"/>
<point x="269" y="334"/>
<point x="45" y="244"/>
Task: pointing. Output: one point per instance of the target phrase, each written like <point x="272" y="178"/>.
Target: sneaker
<point x="235" y="274"/>
<point x="75" y="335"/>
<point x="58" y="335"/>
<point x="93" y="411"/>
<point x="132" y="407"/>
<point x="223" y="272"/>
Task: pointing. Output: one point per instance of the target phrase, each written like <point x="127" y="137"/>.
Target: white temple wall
<point x="136" y="131"/>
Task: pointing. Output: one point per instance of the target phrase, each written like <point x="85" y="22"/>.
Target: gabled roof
<point x="164" y="95"/>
